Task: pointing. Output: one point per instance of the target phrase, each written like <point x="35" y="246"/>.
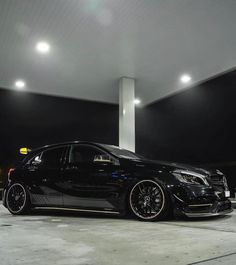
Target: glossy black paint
<point x="69" y="182"/>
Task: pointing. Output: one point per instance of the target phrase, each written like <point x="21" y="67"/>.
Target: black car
<point x="93" y="177"/>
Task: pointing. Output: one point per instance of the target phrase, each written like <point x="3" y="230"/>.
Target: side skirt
<point x="76" y="210"/>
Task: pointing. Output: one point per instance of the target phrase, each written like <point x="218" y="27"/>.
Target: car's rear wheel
<point x="148" y="200"/>
<point x="17" y="199"/>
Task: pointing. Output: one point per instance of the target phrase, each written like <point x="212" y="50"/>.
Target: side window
<point x="35" y="160"/>
<point x="84" y="154"/>
<point x="52" y="157"/>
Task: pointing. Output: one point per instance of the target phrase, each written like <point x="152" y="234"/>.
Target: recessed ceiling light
<point x="20" y="84"/>
<point x="137" y="101"/>
<point x="43" y="47"/>
<point x="185" y="78"/>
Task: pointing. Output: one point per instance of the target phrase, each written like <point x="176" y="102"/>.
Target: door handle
<point x="71" y="168"/>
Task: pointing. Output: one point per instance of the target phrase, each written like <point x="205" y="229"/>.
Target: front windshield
<point x="122" y="153"/>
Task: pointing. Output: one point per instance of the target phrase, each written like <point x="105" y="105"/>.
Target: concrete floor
<point x="46" y="238"/>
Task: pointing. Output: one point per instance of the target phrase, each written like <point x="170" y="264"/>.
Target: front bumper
<point x="199" y="215"/>
<point x="200" y="202"/>
<point x="216" y="209"/>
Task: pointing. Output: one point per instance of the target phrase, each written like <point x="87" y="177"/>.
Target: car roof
<point x="45" y="147"/>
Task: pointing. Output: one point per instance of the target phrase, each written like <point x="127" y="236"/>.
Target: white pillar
<point x="127" y="113"/>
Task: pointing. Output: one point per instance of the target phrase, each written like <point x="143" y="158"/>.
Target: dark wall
<point x="194" y="126"/>
<point x="33" y="120"/>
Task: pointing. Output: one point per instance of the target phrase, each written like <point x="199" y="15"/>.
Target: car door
<point x="92" y="181"/>
<point x="45" y="172"/>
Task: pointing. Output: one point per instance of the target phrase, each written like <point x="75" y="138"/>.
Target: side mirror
<point x="102" y="159"/>
<point x="24" y="150"/>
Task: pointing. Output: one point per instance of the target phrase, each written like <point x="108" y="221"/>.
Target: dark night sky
<point x="194" y="126"/>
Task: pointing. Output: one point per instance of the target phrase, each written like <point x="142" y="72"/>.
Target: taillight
<point x="10" y="171"/>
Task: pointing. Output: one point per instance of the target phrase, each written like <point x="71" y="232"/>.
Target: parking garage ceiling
<point x="92" y="43"/>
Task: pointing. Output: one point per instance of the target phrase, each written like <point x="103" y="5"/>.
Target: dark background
<point x="195" y="126"/>
<point x="32" y="120"/>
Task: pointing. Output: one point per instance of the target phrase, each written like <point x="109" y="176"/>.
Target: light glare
<point x="19" y="84"/>
<point x="137" y="101"/>
<point x="185" y="78"/>
<point x="43" y="47"/>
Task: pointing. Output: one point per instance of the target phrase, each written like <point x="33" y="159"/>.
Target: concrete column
<point x="127" y="113"/>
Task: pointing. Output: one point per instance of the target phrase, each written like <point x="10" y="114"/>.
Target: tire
<point x="17" y="199"/>
<point x="149" y="201"/>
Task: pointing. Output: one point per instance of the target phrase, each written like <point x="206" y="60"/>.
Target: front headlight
<point x="191" y="177"/>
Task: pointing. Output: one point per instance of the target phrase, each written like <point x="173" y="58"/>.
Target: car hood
<point x="177" y="166"/>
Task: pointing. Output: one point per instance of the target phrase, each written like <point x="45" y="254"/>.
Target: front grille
<point x="219" y="181"/>
<point x="217" y="178"/>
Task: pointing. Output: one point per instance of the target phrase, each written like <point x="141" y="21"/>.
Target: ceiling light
<point x="19" y="84"/>
<point x="43" y="47"/>
<point x="185" y="78"/>
<point x="137" y="101"/>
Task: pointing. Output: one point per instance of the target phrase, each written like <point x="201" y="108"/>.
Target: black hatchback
<point x="91" y="177"/>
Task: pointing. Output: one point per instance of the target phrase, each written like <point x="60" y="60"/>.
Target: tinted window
<point x="84" y="154"/>
<point x="123" y="153"/>
<point x="52" y="157"/>
<point x="35" y="160"/>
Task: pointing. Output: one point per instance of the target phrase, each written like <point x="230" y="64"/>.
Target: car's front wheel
<point x="17" y="199"/>
<point x="148" y="200"/>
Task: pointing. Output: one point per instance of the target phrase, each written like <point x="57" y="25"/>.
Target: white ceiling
<point x="95" y="42"/>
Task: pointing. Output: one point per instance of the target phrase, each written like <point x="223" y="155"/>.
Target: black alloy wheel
<point x="148" y="200"/>
<point x="17" y="199"/>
